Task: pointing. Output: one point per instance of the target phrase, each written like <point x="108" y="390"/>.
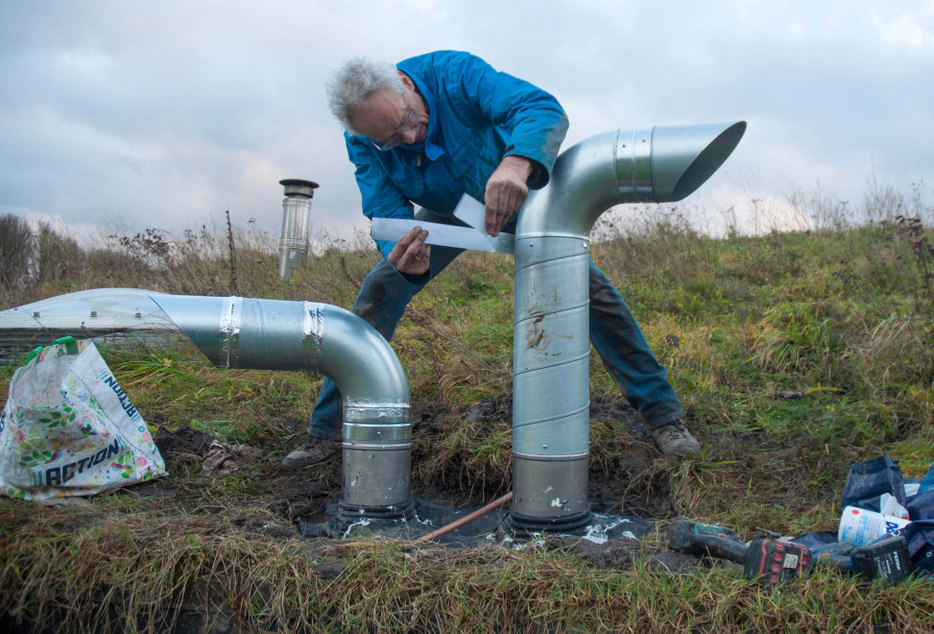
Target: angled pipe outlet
<point x="551" y="344"/>
<point x="233" y="332"/>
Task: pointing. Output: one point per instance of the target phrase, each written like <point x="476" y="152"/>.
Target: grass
<point x="841" y="319"/>
<point x="291" y="585"/>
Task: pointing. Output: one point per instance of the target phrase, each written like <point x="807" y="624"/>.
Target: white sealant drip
<point x="363" y="522"/>
<point x="597" y="532"/>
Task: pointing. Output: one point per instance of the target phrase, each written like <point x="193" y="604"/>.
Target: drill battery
<point x="771" y="561"/>
<point x="886" y="558"/>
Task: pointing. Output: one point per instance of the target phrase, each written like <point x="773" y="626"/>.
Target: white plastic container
<point x="860" y="527"/>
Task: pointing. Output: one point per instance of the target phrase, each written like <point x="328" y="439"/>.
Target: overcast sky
<point x="164" y="114"/>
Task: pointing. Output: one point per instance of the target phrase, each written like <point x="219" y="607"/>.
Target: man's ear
<point x="406" y="80"/>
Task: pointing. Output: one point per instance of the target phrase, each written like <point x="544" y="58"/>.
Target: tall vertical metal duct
<point x="234" y="332"/>
<point x="296" y="218"/>
<point x="551" y="372"/>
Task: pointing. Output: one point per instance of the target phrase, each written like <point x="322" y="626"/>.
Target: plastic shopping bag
<point x="68" y="429"/>
<point x="867" y="481"/>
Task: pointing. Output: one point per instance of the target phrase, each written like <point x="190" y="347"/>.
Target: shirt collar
<point x="431" y="146"/>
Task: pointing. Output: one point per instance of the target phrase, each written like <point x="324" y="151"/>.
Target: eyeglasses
<point x="409" y="122"/>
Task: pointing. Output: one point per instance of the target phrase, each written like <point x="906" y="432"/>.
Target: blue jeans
<point x="614" y="333"/>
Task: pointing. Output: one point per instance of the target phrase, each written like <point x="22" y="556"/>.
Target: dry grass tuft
<point x="80" y="580"/>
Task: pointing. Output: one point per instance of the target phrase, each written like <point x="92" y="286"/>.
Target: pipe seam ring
<point x="634" y="166"/>
<point x="378" y="415"/>
<point x="362" y="446"/>
<point x="551" y="234"/>
<point x="551" y="458"/>
<point x="312" y="330"/>
<point x="229" y="331"/>
<point x="397" y="432"/>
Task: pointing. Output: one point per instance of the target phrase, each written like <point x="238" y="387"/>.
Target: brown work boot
<point x="674" y="439"/>
<point x="314" y="450"/>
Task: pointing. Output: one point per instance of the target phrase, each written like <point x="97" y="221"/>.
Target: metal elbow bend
<point x="289" y="335"/>
<point x="658" y="164"/>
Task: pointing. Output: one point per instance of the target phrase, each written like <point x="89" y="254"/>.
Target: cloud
<point x="168" y="113"/>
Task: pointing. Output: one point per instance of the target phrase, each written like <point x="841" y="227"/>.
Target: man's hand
<point x="411" y="254"/>
<point x="506" y="191"/>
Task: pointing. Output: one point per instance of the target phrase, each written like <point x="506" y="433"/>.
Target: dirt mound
<point x="183" y="440"/>
<point x="623" y="553"/>
<point x="629" y="480"/>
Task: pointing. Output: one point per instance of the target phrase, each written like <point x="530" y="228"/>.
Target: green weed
<point x="795" y="354"/>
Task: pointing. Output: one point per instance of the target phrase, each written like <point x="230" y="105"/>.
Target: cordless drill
<point x="766" y="561"/>
<point x="770" y="561"/>
<point x="699" y="539"/>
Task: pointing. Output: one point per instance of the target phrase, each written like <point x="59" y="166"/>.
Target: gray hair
<point x="355" y="81"/>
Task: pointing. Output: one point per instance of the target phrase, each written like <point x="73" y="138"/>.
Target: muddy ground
<point x="628" y="484"/>
<point x="305" y="499"/>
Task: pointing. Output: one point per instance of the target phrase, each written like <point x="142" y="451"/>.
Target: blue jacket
<point x="477" y="116"/>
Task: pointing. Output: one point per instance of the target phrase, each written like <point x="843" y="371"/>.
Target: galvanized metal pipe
<point x="296" y="221"/>
<point x="551" y="370"/>
<point x="234" y="332"/>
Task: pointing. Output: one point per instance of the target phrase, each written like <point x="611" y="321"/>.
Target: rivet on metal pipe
<point x="296" y="219"/>
<point x="234" y="332"/>
<point x="551" y="370"/>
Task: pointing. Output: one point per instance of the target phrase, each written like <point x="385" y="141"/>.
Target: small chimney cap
<point x="298" y="187"/>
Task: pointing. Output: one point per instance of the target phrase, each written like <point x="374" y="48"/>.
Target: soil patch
<point x="630" y="484"/>
<point x="183" y="440"/>
<point x="629" y="491"/>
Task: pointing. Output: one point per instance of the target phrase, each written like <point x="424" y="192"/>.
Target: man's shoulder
<point x="439" y="62"/>
<point x="434" y="57"/>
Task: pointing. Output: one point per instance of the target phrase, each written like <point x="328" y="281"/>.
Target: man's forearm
<point x="520" y="166"/>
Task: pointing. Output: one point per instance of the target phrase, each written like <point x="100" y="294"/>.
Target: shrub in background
<point x="16" y="248"/>
<point x="59" y="257"/>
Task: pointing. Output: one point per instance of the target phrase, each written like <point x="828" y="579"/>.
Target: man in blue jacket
<point x="427" y="131"/>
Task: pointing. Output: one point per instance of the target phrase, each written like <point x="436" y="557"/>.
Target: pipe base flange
<point x="348" y="514"/>
<point x="520" y="525"/>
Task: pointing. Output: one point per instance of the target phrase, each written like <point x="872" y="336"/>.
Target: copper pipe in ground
<point x="466" y="519"/>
